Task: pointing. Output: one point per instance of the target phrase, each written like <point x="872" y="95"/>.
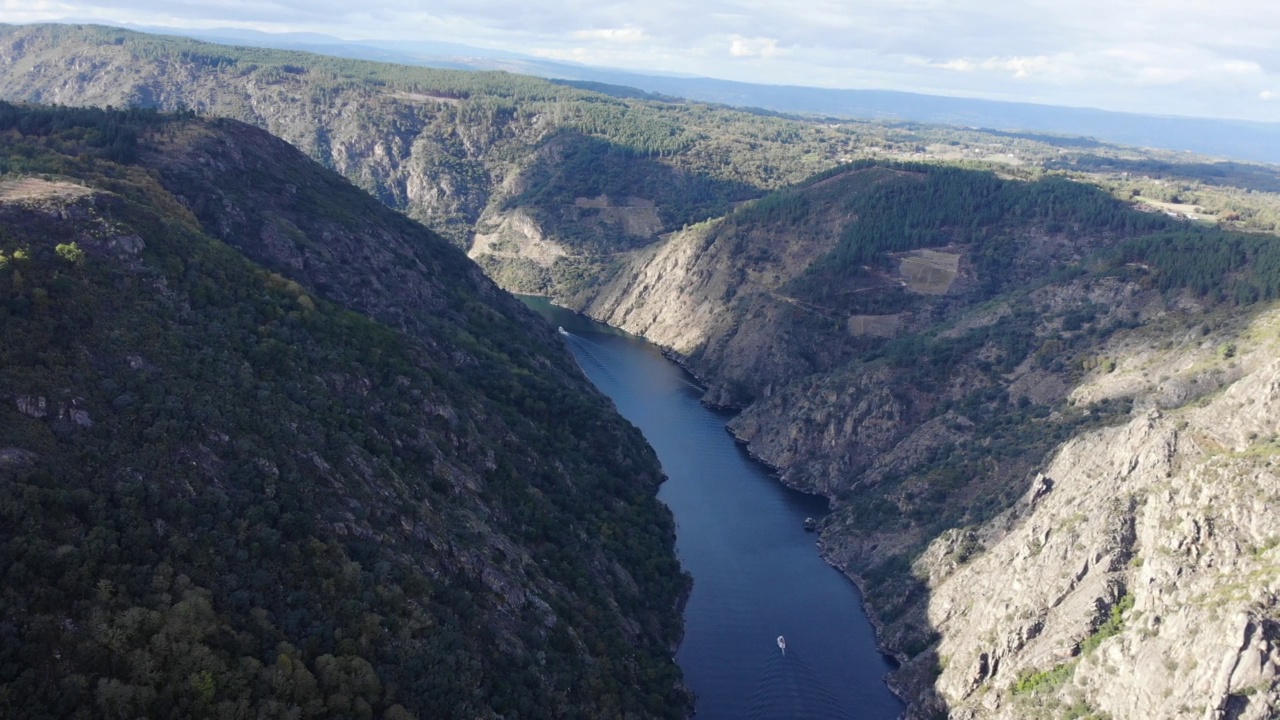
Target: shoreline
<point x="897" y="658"/>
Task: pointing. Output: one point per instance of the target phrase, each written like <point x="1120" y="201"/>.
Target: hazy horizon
<point x="1180" y="58"/>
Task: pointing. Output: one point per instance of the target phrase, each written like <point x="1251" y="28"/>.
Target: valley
<point x="741" y="536"/>
<point x="1034" y="375"/>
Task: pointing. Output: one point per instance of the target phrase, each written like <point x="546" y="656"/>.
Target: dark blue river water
<point x="740" y="533"/>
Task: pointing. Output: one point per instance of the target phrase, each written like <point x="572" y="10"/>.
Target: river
<point x="740" y="533"/>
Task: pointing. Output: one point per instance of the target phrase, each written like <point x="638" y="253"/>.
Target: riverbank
<point x="740" y="534"/>
<point x="898" y="657"/>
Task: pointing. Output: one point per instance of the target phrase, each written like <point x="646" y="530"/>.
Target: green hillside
<point x="463" y="150"/>
<point x="223" y="494"/>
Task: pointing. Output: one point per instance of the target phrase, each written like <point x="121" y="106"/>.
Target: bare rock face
<point x="657" y="297"/>
<point x="716" y="294"/>
<point x="1139" y="576"/>
<point x="514" y="234"/>
<point x="841" y="426"/>
<point x="14" y="457"/>
<point x="32" y="406"/>
<point x="74" y="411"/>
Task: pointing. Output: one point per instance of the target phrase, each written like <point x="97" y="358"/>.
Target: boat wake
<point x="790" y="689"/>
<point x="589" y="353"/>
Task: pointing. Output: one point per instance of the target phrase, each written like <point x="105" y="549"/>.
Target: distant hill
<point x="451" y="148"/>
<point x="493" y="160"/>
<point x="1237" y="139"/>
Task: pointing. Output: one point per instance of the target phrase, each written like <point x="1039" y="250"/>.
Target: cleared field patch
<point x="35" y="189"/>
<point x="874" y="325"/>
<point x="1186" y="210"/>
<point x="929" y="271"/>
<point x="425" y="97"/>
<point x="635" y="216"/>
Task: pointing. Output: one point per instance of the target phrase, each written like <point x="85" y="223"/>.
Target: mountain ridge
<point x="1240" y="139"/>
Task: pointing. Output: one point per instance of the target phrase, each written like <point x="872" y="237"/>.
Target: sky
<point x="1166" y="57"/>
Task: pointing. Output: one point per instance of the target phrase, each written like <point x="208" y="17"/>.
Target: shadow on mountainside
<point x="574" y="173"/>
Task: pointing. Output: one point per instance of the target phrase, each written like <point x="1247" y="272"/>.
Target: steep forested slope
<point x="809" y="277"/>
<point x="347" y="478"/>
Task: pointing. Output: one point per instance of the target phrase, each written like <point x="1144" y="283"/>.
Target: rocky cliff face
<point x="427" y="156"/>
<point x="1015" y="487"/>
<point x="718" y="293"/>
<point x="1138" y="575"/>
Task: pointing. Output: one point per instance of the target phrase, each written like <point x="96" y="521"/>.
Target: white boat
<point x="561" y="329"/>
<point x="782" y="644"/>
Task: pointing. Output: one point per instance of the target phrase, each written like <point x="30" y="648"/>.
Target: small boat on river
<point x="782" y="644"/>
<point x="561" y="330"/>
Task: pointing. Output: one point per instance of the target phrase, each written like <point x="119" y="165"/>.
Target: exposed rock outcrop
<point x="1143" y="582"/>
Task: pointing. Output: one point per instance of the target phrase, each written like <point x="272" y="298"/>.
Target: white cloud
<point x="23" y="11"/>
<point x="1241" y="67"/>
<point x="1268" y="95"/>
<point x="1139" y="76"/>
<point x="1019" y="67"/>
<point x="742" y="47"/>
<point x="960" y="65"/>
<point x="628" y="34"/>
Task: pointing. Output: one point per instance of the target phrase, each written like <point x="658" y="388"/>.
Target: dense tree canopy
<point x="222" y="495"/>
